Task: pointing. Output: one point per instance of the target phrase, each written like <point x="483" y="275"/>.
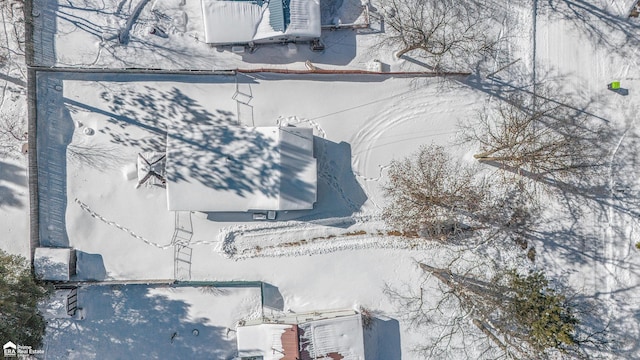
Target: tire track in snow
<point x="335" y="244"/>
<point x="406" y="107"/>
<point x="372" y="132"/>
<point x="245" y="236"/>
<point x="609" y="231"/>
<point x="621" y="226"/>
<point x="382" y="168"/>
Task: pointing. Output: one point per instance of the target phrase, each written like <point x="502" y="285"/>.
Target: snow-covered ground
<point x="339" y="255"/>
<point x="384" y="118"/>
<point x="584" y="47"/>
<point x="14" y="206"/>
<point x="150" y="322"/>
<point x="14" y="195"/>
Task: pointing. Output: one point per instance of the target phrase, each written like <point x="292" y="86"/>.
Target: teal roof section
<point x="279" y="16"/>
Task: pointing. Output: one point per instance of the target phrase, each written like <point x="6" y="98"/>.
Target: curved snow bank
<point x="318" y="237"/>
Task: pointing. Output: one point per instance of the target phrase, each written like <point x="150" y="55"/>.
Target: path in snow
<point x="423" y="114"/>
<point x="326" y="167"/>
<point x="95" y="215"/>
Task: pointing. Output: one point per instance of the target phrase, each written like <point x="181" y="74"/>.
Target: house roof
<point x="335" y="338"/>
<point x="229" y="168"/>
<point x="52" y="263"/>
<point x="228" y="22"/>
<point x="242" y="21"/>
<point x="271" y="341"/>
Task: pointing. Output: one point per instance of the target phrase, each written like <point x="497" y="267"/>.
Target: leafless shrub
<point x="12" y="134"/>
<point x="367" y="317"/>
<point x="213" y="290"/>
<point x="432" y="195"/>
<point x="538" y="138"/>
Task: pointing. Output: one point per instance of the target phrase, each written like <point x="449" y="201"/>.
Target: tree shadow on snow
<point x="43" y="17"/>
<point x="89" y="267"/>
<point x="122" y="322"/>
<point x="616" y="33"/>
<point x="200" y="138"/>
<point x="605" y="183"/>
<point x="382" y="339"/>
<point x="271" y="297"/>
<point x="14" y="175"/>
<point x="55" y="131"/>
<point x="206" y="135"/>
<point x="350" y="78"/>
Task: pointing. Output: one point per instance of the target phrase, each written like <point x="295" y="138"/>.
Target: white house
<point x="260" y="21"/>
<point x="223" y="168"/>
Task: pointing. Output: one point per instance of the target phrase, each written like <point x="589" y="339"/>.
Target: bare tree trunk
<point x="485" y="330"/>
<point x="406" y="50"/>
<point x="448" y="33"/>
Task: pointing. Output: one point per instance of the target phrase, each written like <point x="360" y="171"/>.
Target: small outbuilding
<point x="151" y="168"/>
<point x="54" y="264"/>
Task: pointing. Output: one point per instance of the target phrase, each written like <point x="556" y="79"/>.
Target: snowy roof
<point x="233" y="168"/>
<point x="339" y="337"/>
<point x="271" y="341"/>
<point x="53" y="264"/>
<point x="334" y="338"/>
<point x="241" y="22"/>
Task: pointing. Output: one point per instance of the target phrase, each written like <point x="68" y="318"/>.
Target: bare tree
<point x="12" y="76"/>
<point x="537" y="137"/>
<point x="443" y="31"/>
<point x="432" y="195"/>
<point x="12" y="134"/>
<point x="505" y="316"/>
<point x="94" y="155"/>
